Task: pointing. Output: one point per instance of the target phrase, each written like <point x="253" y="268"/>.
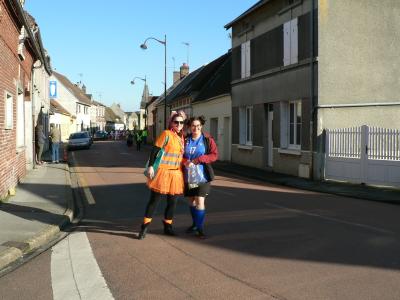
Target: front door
<point x="269" y="137"/>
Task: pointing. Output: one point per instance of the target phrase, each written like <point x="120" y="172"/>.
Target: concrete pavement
<point x="42" y="206"/>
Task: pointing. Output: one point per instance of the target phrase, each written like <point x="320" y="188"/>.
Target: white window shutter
<point x="284" y="124"/>
<point x="294" y="44"/>
<point x="286" y="43"/>
<point x="243" y="60"/>
<point x="248" y="59"/>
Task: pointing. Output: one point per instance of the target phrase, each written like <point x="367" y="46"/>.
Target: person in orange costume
<point x="168" y="178"/>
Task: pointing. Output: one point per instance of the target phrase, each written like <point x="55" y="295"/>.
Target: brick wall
<point x="12" y="71"/>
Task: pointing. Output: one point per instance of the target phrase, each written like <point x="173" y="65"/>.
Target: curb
<point x="327" y="188"/>
<point x="14" y="254"/>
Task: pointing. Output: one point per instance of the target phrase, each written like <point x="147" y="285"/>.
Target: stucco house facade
<point x="301" y="67"/>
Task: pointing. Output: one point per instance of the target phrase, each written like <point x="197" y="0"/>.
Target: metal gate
<point x="363" y="154"/>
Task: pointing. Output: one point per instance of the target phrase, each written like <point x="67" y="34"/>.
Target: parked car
<point x="79" y="140"/>
<point x="100" y="135"/>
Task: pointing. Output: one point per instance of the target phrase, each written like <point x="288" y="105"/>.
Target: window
<point x="8" y="111"/>
<point x="295" y="124"/>
<point x="85" y="110"/>
<point x="291" y="121"/>
<point x="246" y="125"/>
<point x="290" y="42"/>
<point x="245" y="60"/>
<point x="78" y="108"/>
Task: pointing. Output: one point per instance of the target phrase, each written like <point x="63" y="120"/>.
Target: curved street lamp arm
<point x="152" y="38"/>
<point x="133" y="80"/>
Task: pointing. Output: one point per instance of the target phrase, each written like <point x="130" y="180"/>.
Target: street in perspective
<point x="203" y="150"/>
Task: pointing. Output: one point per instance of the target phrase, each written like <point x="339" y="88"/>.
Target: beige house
<point x="131" y="120"/>
<point x="62" y="119"/>
<point x="97" y="119"/>
<point x="72" y="98"/>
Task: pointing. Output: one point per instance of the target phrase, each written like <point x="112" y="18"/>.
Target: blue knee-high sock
<point x="199" y="218"/>
<point x="193" y="213"/>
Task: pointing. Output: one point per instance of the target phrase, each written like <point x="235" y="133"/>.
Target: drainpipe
<point x="312" y="100"/>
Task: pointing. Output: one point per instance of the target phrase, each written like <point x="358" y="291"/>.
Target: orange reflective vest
<point x="173" y="150"/>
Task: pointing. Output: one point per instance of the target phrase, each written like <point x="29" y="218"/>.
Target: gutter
<point x="312" y="86"/>
<point x="359" y="104"/>
<point x="21" y="14"/>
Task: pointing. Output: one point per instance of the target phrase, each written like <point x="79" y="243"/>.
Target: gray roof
<point x="195" y="81"/>
<point x="76" y="91"/>
<point x="247" y="12"/>
<point x="219" y="82"/>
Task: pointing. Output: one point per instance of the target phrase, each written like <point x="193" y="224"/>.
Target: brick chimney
<point x="184" y="70"/>
<point x="176" y="76"/>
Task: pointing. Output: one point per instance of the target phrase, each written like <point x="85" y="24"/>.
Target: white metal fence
<point x="383" y="143"/>
<point x="344" y="142"/>
<point x="363" y="155"/>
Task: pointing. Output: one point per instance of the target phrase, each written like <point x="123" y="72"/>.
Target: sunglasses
<point x="179" y="122"/>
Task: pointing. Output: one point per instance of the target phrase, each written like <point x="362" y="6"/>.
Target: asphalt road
<point x="265" y="242"/>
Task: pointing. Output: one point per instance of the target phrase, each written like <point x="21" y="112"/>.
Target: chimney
<point x="84" y="89"/>
<point x="177" y="76"/>
<point x="184" y="70"/>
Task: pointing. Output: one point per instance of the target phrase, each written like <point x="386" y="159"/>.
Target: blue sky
<point x="100" y="40"/>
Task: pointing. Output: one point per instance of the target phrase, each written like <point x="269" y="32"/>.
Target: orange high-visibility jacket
<point x="173" y="150"/>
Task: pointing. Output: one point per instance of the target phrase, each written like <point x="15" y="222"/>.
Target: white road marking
<point x="89" y="196"/>
<point x="82" y="182"/>
<point x="75" y="273"/>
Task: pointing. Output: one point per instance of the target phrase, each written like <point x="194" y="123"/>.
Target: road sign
<point x="53" y="89"/>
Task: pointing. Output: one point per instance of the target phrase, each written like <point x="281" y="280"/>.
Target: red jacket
<point x="210" y="156"/>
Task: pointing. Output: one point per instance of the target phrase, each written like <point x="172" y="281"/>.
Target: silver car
<point x="79" y="140"/>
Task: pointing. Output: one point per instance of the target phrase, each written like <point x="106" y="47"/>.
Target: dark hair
<point x="201" y="119"/>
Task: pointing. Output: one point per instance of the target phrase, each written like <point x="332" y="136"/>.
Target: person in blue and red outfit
<point x="168" y="178"/>
<point x="200" y="151"/>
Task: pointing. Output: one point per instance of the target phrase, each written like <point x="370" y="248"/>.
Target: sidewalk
<point x="365" y="192"/>
<point x="383" y="194"/>
<point x="33" y="217"/>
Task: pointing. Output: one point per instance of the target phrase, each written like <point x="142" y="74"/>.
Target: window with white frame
<point x="86" y="110"/>
<point x="291" y="123"/>
<point x="78" y="108"/>
<point x="245" y="59"/>
<point x="8" y="120"/>
<point x="246" y="125"/>
<point x="290" y="42"/>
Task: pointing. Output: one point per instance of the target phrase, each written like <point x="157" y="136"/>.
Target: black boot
<point x="200" y="234"/>
<point x="191" y="229"/>
<point x="143" y="231"/>
<point x="168" y="229"/>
